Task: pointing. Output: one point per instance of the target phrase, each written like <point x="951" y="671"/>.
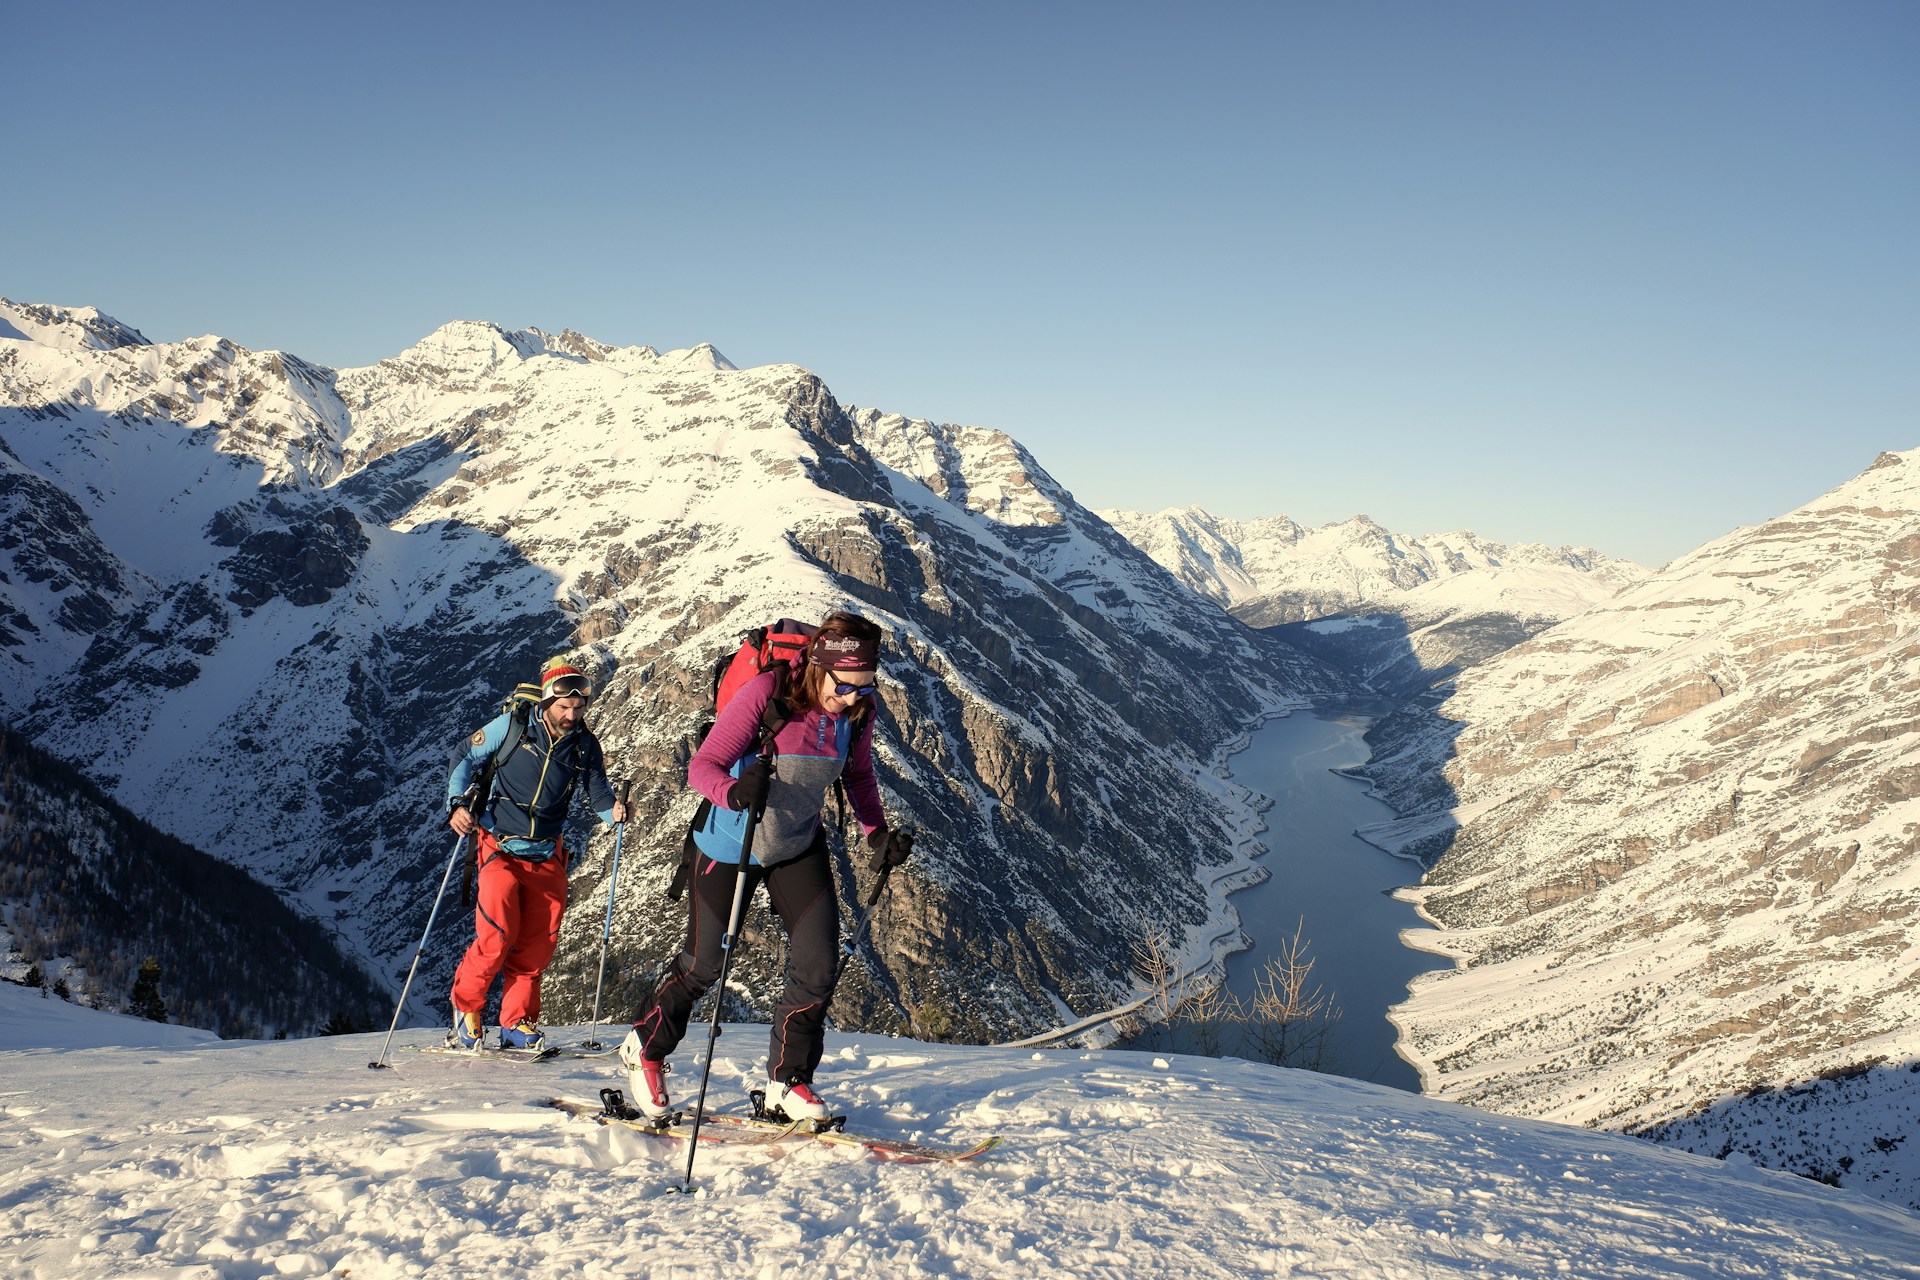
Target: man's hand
<point x="461" y="821"/>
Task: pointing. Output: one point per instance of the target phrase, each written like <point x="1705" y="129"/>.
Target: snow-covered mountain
<point x="261" y="601"/>
<point x="1678" y="843"/>
<point x="185" y="1156"/>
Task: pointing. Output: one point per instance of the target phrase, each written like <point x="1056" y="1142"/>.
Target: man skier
<point x="523" y="864"/>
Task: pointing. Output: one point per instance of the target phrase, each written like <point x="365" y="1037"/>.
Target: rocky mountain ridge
<point x="1675" y="845"/>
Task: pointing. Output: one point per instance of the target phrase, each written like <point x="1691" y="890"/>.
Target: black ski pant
<point x="802" y="895"/>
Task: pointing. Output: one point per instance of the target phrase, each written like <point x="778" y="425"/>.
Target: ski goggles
<point x="569" y="687"/>
<point x="858" y="690"/>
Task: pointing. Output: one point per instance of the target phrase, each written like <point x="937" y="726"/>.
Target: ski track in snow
<point x="132" y="1149"/>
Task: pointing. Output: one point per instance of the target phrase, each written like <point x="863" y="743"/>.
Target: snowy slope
<point x="1679" y="831"/>
<point x="188" y="1157"/>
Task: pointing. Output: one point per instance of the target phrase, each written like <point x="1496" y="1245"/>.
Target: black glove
<point x="890" y="849"/>
<point x="749" y="790"/>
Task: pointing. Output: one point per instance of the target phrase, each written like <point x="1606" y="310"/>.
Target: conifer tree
<point x="341" y="1023"/>
<point x="146" y="992"/>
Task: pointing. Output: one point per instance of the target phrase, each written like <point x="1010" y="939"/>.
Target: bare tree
<point x="1288" y="1022"/>
<point x="1156" y="965"/>
<point x="1198" y="1003"/>
<point x="1291" y="1021"/>
<point x="1213" y="1015"/>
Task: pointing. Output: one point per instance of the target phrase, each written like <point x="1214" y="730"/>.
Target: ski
<point x="894" y="1150"/>
<point x="834" y="1131"/>
<point x="613" y="1110"/>
<point x="498" y="1055"/>
<point x="767" y="1128"/>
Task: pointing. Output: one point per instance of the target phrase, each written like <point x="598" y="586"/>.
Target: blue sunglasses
<point x="863" y="690"/>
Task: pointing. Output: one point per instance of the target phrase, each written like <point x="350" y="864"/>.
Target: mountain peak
<point x="66" y="328"/>
<point x="702" y="355"/>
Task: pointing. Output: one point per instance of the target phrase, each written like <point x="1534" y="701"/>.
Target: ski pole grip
<point x="879" y="885"/>
<point x="626" y="789"/>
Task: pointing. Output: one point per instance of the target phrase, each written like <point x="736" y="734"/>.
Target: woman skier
<point x="824" y="713"/>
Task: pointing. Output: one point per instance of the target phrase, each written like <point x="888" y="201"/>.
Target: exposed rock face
<point x="335" y="575"/>
<point x="49" y="545"/>
<point x="301" y="552"/>
<point x="1685" y="864"/>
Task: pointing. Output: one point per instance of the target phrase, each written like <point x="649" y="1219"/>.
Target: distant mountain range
<point x="260" y="601"/>
<point x="1273" y="570"/>
<point x="1398" y="612"/>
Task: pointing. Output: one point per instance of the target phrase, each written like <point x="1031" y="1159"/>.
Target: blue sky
<point x="1625" y="274"/>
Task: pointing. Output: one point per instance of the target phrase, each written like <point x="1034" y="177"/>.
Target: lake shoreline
<point x="1319" y="869"/>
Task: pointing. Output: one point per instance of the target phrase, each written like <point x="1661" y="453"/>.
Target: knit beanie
<point x="562" y="680"/>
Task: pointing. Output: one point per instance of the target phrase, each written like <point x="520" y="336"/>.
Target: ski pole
<point x="380" y="1063"/>
<point x="866" y="917"/>
<point x="613" y="882"/>
<point x="852" y="945"/>
<point x="720" y="987"/>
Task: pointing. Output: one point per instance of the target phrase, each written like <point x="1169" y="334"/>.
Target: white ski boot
<point x="646" y="1078"/>
<point x="796" y="1101"/>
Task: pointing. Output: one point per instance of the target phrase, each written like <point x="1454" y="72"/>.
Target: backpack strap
<point x="517" y="722"/>
<point x="775" y="715"/>
<point x="519" y="711"/>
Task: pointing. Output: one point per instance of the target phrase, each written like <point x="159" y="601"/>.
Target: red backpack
<point x="780" y="648"/>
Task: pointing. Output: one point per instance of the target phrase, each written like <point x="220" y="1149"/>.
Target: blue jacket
<point x="534" y="786"/>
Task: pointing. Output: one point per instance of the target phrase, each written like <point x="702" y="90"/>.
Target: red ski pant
<point x="515" y="925"/>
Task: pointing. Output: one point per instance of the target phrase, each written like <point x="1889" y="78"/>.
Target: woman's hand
<point x="890" y="849"/>
<point x="749" y="790"/>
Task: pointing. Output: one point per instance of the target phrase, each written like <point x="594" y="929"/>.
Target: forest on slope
<point x="89" y="889"/>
